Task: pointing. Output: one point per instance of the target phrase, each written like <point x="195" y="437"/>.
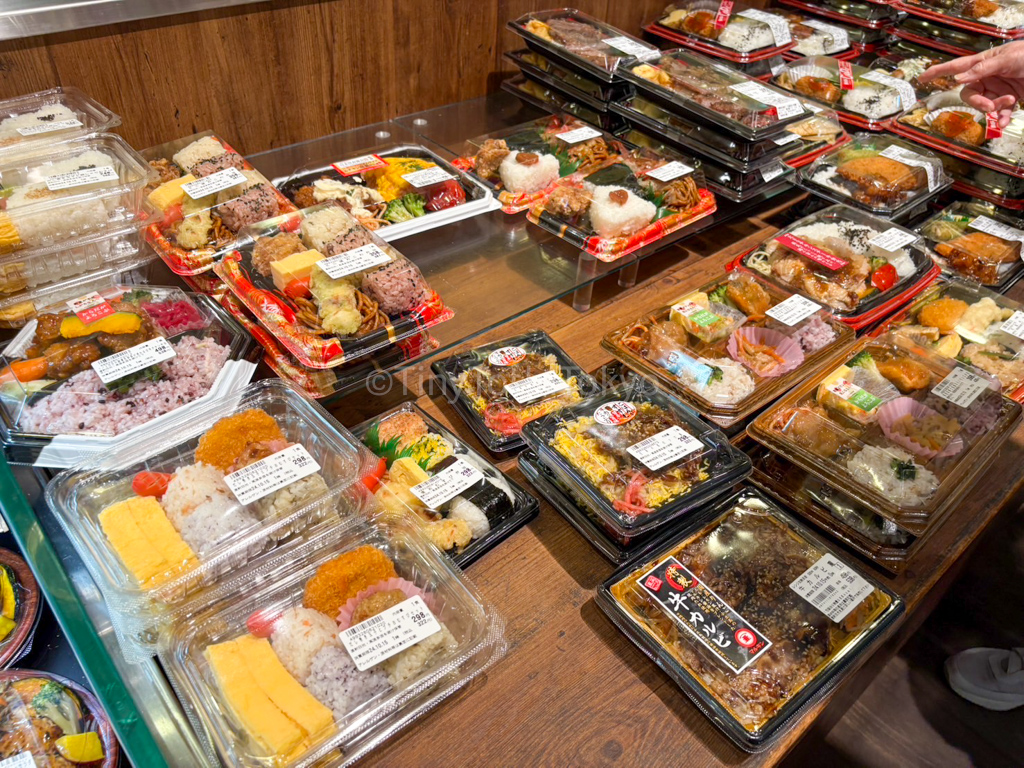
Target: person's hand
<point x="993" y="81"/>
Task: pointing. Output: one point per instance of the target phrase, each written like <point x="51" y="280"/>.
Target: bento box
<point x="169" y="513"/>
<point x="19" y="608"/>
<point x="499" y="387"/>
<point x="731" y="346"/>
<point x="943" y="37"/>
<point x="336" y="649"/>
<point x="735" y="32"/>
<point x="1002" y="19"/>
<point x="579" y="41"/>
<point x="999" y="189"/>
<point x="726" y="607"/>
<point x="109" y="365"/>
<point x="204" y="195"/>
<point x="880" y="174"/>
<point x="328" y="288"/>
<point x="908" y="61"/>
<point x="428" y="476"/>
<point x="869" y="14"/>
<point x="587" y="90"/>
<point x="54" y="115"/>
<point x="898" y="425"/>
<point x="549" y="99"/>
<point x="393" y="191"/>
<point x="636" y="456"/>
<point x="976" y="242"/>
<point x="861" y="267"/>
<point x="820" y="37"/>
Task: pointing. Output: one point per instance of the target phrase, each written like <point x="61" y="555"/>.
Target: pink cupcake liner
<point x="407" y="587"/>
<point x="784" y="346"/>
<point x="895" y="410"/>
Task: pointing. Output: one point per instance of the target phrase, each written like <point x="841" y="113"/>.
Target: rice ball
<point x="528" y="172"/>
<point x="337" y="684"/>
<point x="298" y="637"/>
<point x="616" y="211"/>
<point x="471" y="515"/>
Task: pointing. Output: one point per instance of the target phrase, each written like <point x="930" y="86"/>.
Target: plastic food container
<point x="19" y="608"/>
<point x="817" y="37"/>
<point x="994" y="187"/>
<point x="553" y="147"/>
<point x="395" y="191"/>
<point x="944" y="122"/>
<point x="45" y="117"/>
<point x="586" y="89"/>
<point x="726" y="607"/>
<point x="342" y="712"/>
<point x="550" y="99"/>
<point x="898" y="425"/>
<point x="731" y="346"/>
<point x="428" y="476"/>
<point x="44" y="713"/>
<point x="636" y="456"/>
<point x="911" y="60"/>
<point x="110" y="364"/>
<point x="715" y="93"/>
<point x="580" y="42"/>
<point x="216" y="487"/>
<point x="1003" y="19"/>
<point x="860" y="266"/>
<point x="942" y="36"/>
<point x="965" y="322"/>
<point x="299" y="273"/>
<point x="731" y="31"/>
<point x="861" y="96"/>
<point x="870" y="14"/>
<point x="499" y="387"/>
<point x="975" y="242"/>
<point x="632" y="201"/>
<point x="879" y="174"/>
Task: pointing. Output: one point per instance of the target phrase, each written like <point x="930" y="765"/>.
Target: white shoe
<point x="989" y="677"/>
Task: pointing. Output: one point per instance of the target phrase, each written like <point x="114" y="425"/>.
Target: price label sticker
<point x="447" y="484"/>
<point x="854" y="395"/>
<point x="133" y="359"/>
<point x="389" y="632"/>
<point x="793" y="310"/>
<point x="893" y="239"/>
<point x="832" y="587"/>
<point x="632" y="48"/>
<point x="20" y="760"/>
<point x="695" y="313"/>
<point x="506" y="356"/>
<point x="535" y="387"/>
<point x="911" y="158"/>
<point x="214" y="183"/>
<point x="576" y="135"/>
<point x="666" y="447"/>
<point x="785" y="106"/>
<point x="670" y="171"/>
<point x="428" y="177"/>
<point x="786" y="138"/>
<point x="81" y="177"/>
<point x="1014" y="325"/>
<point x="778" y="25"/>
<point x="357" y="165"/>
<point x="997" y="229"/>
<point x="845" y="75"/>
<point x="812" y="252"/>
<point x="56" y="125"/>
<point x="771" y="172"/>
<point x="961" y="387"/>
<point x="263" y="477"/>
<point x="90" y="308"/>
<point x="840" y="37"/>
<point x="723" y="13"/>
<point x="356" y="260"/>
<point x="904" y="89"/>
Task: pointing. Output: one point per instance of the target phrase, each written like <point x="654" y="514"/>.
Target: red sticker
<point x="615" y="413"/>
<point x="724" y="12"/>
<point x="992" y="127"/>
<point x="845" y="75"/>
<point x="745" y="638"/>
<point x="812" y="252"/>
<point x="90" y="308"/>
<point x="358" y="165"/>
<point x="653" y="582"/>
<point x="506" y="356"/>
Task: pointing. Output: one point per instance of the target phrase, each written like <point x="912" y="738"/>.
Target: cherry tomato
<point x="372" y="480"/>
<point x="173" y="214"/>
<point x="884" y="277"/>
<point x="261" y="623"/>
<point x="297" y="288"/>
<point x="151" y="483"/>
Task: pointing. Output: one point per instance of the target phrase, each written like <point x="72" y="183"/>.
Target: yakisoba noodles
<point x="373" y="318"/>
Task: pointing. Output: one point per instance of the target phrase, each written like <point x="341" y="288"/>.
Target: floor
<point x="908" y="717"/>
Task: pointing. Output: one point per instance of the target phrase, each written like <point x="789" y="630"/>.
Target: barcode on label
<point x="356" y="260"/>
<point x="20" y="760"/>
<point x="664" y="448"/>
<point x="893" y="239"/>
<point x="58" y="125"/>
<point x="535" y="387"/>
<point x="911" y="158"/>
<point x="778" y="25"/>
<point x="1014" y="324"/>
<point x="427" y="177"/>
<point x="133" y="359"/>
<point x="961" y="387"/>
<point x="392" y="631"/>
<point x="832" y="587"/>
<point x="577" y="135"/>
<point x="81" y="178"/>
<point x="447" y="484"/>
<point x="632" y="48"/>
<point x="793" y="310"/>
<point x="669" y="171"/>
<point x="904" y="89"/>
<point x="271" y="474"/>
<point x="214" y="183"/>
<point x="785" y="106"/>
<point x="997" y="229"/>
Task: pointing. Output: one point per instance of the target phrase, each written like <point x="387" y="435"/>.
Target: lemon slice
<point x="81" y="747"/>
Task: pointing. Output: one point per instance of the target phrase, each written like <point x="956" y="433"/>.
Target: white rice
<point x="872" y="466"/>
<point x="613" y="220"/>
<point x="57" y="221"/>
<point x="92" y="158"/>
<point x="298" y="637"/>
<point x="746" y="35"/>
<point x="527" y="179"/>
<point x="872" y="101"/>
<point x="337" y="684"/>
<point x="321" y="227"/>
<point x="1011" y="144"/>
<point x="1009" y="16"/>
<point x="735" y="384"/>
<point x="471" y="515"/>
<point x="52" y="113"/>
<point x="197" y="152"/>
<point x="416" y="658"/>
<point x="858" y="237"/>
<point x="201" y="506"/>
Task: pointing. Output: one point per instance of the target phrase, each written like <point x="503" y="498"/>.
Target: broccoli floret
<point x="136" y="296"/>
<point x="396" y="212"/>
<point x="414" y="204"/>
<point x="718" y="294"/>
<point x="60" y="705"/>
<point x="863" y="359"/>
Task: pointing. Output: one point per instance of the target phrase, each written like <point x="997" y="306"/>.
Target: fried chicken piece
<point x="304" y="197"/>
<point x="702" y="23"/>
<point x="942" y="314"/>
<point x="270" y="249"/>
<point x="489" y="158"/>
<point x="959" y="126"/>
<point x="376" y="603"/>
<point x="818" y="88"/>
<point x="979" y="9"/>
<point x="881" y="179"/>
<point x="567" y="202"/>
<point x="749" y="296"/>
<point x="907" y="375"/>
<point x="982" y="246"/>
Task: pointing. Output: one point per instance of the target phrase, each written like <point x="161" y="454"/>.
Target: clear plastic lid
<point x="560" y="89"/>
<point x="549" y="99"/>
<point x="580" y="41"/>
<point x="986" y="184"/>
<point x="522" y="164"/>
<point x="943" y="121"/>
<point x="19" y="609"/>
<point x="45" y="117"/>
<point x="110" y="360"/>
<point x="637" y="456"/>
<point x="47" y="717"/>
<point x="427" y="475"/>
<point x="732" y="345"/>
<point x="1000" y="18"/>
<point x="870" y="14"/>
<point x="579" y="85"/>
<point x="965" y="322"/>
<point x="944" y="37"/>
<point x="727" y="29"/>
<point x="818" y="37"/>
<point x="204" y="195"/>
<point x="818" y="135"/>
<point x="863" y="96"/>
<point x="632" y="201"/>
<point x="170" y="512"/>
<point x="395" y="191"/>
<point x="976" y="242"/>
<point x="908" y="61"/>
<point x="752" y="615"/>
<point x="353" y="639"/>
<point x="328" y="288"/>
<point x="714" y="92"/>
<point x="499" y="387"/>
<point x="69" y="193"/>
<point x="844" y="259"/>
<point x="880" y="174"/>
<point x="898" y="425"/>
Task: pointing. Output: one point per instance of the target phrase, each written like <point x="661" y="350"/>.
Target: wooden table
<point x="572" y="689"/>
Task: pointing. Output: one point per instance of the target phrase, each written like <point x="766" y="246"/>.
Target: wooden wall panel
<point x="271" y="74"/>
